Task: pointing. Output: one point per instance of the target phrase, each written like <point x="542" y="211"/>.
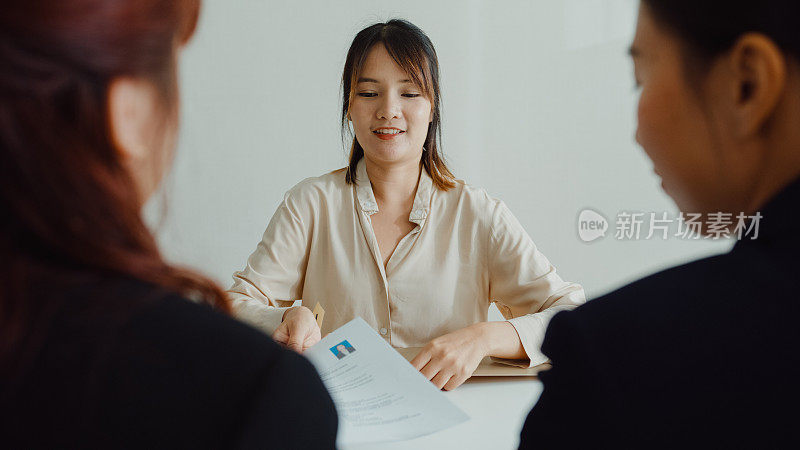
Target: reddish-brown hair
<point x="67" y="202"/>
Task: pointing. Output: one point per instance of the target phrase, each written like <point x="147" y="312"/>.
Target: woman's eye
<point x="411" y="95"/>
<point x="367" y="94"/>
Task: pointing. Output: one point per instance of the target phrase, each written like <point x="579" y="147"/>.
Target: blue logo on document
<point x="342" y="349"/>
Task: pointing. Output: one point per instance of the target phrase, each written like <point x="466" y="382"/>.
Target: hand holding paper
<point x="299" y="329"/>
<point x="378" y="394"/>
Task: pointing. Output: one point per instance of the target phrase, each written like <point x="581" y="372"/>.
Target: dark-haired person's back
<point x="702" y="355"/>
<point x="120" y="364"/>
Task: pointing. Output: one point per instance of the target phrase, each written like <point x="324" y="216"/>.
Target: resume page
<point x="379" y="396"/>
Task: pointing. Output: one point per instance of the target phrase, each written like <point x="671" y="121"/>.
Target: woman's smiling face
<point x="390" y="113"/>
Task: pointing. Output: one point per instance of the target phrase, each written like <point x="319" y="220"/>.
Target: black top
<point x="138" y="368"/>
<point x="704" y="354"/>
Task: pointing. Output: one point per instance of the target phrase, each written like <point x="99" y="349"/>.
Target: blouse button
<point x="384" y="331"/>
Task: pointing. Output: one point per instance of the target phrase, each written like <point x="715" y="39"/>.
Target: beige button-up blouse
<point x="466" y="251"/>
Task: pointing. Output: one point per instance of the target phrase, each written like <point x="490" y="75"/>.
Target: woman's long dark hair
<point x="68" y="206"/>
<point x="413" y="51"/>
<point x="710" y="27"/>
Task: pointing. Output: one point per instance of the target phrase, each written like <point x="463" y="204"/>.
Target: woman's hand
<point x="298" y="330"/>
<point x="450" y="359"/>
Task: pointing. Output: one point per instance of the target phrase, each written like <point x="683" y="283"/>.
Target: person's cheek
<point x="661" y="138"/>
<point x="360" y="121"/>
<point x="418" y="119"/>
<point x="646" y="128"/>
<point x="655" y="133"/>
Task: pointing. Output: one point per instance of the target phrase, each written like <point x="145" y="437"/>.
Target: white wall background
<point x="538" y="108"/>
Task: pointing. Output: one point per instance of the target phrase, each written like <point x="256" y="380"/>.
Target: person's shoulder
<point x="190" y="328"/>
<point x="209" y="373"/>
<point x="661" y="314"/>
<point x="475" y="200"/>
<point x="135" y="316"/>
<point x="479" y="209"/>
<point x="312" y="195"/>
<point x="641" y="332"/>
<point x="660" y="294"/>
<point x="464" y="191"/>
<point x="197" y="336"/>
<point x="326" y="185"/>
<point x="673" y="339"/>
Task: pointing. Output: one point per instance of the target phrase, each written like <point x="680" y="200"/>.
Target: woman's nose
<point x="389" y="108"/>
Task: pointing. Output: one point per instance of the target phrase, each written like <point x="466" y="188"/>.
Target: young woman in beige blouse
<point x="395" y="239"/>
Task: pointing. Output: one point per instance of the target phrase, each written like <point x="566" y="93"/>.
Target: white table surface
<point x="497" y="407"/>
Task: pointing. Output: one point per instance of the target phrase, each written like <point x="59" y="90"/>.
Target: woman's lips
<point x="387" y="136"/>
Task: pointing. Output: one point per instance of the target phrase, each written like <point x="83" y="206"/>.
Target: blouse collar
<point x="422" y="198"/>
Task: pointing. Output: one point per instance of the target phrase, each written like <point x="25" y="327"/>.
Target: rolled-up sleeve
<point x="523" y="284"/>
<point x="274" y="274"/>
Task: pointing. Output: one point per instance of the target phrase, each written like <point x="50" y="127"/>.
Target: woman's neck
<point x="776" y="177"/>
<point x="394" y="184"/>
<point x="781" y="150"/>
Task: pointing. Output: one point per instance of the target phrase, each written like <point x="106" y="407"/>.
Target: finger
<point x="310" y="341"/>
<point x="455" y="382"/>
<point x="422" y="358"/>
<point x="295" y="344"/>
<point x="430" y="370"/>
<point x="310" y="328"/>
<point x="295" y="340"/>
<point x="280" y="336"/>
<point x="441" y="379"/>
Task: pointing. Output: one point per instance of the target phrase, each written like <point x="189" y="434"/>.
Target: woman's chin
<point x="390" y="154"/>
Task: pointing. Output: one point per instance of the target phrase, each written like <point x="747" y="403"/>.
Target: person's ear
<point x="132" y="106"/>
<point x="759" y="74"/>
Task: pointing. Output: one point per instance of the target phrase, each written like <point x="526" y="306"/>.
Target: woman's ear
<point x="132" y="109"/>
<point x="758" y="68"/>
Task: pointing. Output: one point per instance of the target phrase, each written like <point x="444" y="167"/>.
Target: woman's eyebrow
<point x="372" y="80"/>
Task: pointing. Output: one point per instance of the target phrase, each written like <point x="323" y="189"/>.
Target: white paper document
<point x="379" y="396"/>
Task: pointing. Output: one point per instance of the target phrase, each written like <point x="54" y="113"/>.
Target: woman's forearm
<point x="502" y="340"/>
